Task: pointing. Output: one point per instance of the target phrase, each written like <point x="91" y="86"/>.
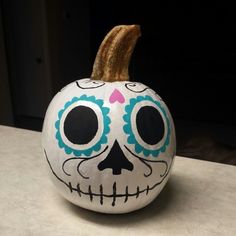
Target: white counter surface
<point x="199" y="199"/>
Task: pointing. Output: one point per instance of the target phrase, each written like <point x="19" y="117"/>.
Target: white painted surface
<point x="130" y="189"/>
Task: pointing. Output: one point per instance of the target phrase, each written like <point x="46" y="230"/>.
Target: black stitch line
<point x="70" y="187"/>
<point x="147" y="190"/>
<point x="90" y="193"/>
<point x="126" y="194"/>
<point x="137" y="192"/>
<point x="78" y="189"/>
<point x="101" y="194"/>
<point x="114" y="194"/>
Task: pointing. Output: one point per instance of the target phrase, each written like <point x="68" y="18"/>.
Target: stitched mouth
<point x="114" y="195"/>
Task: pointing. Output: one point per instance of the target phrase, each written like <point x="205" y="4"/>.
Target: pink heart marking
<point x="116" y="96"/>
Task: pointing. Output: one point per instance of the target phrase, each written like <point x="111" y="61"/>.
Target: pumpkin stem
<point x="113" y="57"/>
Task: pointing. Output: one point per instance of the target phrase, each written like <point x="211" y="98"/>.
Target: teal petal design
<point x="57" y="124"/>
<point x="97" y="147"/>
<point x="128" y="127"/>
<point x="106" y="122"/>
<point x="131" y="139"/>
<point x="125" y="118"/>
<point x="146" y="152"/>
<point x="138" y="148"/>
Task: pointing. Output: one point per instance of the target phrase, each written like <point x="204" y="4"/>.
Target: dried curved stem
<point x="113" y="57"/>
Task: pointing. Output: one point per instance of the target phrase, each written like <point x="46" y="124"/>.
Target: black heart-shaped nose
<point x="115" y="160"/>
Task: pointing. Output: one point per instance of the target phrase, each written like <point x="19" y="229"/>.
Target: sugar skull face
<point x="109" y="146"/>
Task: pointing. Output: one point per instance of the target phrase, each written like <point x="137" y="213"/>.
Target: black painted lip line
<point x="114" y="195"/>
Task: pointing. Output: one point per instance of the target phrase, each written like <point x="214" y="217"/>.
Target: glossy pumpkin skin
<point x="109" y="145"/>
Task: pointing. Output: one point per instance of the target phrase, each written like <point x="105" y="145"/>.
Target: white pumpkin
<point x="109" y="145"/>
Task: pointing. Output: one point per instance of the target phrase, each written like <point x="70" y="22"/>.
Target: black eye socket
<point x="81" y="125"/>
<point x="150" y="125"/>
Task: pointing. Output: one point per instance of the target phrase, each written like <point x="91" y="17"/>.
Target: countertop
<point x="199" y="198"/>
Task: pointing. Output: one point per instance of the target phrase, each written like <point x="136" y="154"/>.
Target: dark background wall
<point x="186" y="54"/>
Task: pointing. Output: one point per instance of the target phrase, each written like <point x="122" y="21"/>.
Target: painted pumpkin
<point x="109" y="142"/>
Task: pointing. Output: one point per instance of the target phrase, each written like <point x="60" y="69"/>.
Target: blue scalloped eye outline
<point x="106" y="130"/>
<point x="128" y="128"/>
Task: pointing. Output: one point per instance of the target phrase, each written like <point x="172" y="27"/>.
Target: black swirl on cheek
<point x="149" y="167"/>
<point x="82" y="160"/>
<point x="145" y="162"/>
<point x="90" y="84"/>
<point x="78" y="169"/>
